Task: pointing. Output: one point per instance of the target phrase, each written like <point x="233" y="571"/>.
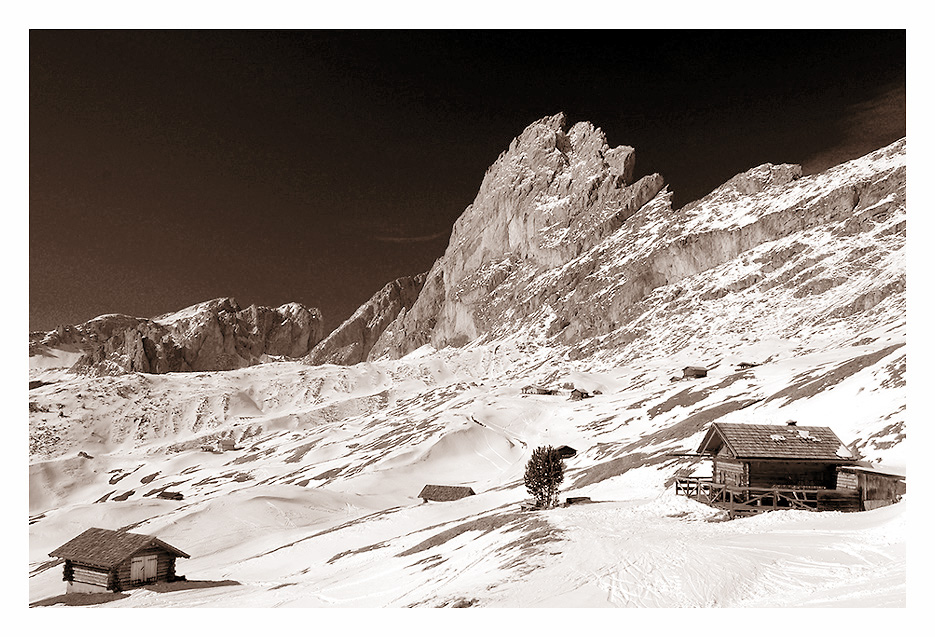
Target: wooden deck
<point x="740" y="501"/>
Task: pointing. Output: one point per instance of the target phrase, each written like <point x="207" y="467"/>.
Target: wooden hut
<point x="694" y="372"/>
<point x="768" y="455"/>
<point x="764" y="467"/>
<point x="565" y="452"/>
<point x="578" y="394"/>
<point x="101" y="560"/>
<point x="442" y="493"/>
<point x="538" y="389"/>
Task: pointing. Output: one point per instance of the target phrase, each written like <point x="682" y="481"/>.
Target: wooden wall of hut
<point x="768" y="473"/>
<point x="165" y="565"/>
<point x="730" y="472"/>
<point x="878" y="490"/>
<point x="81" y="574"/>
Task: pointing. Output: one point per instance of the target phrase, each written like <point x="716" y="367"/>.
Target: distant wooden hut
<point x="442" y="493"/>
<point x="101" y="560"/>
<point x="765" y="467"/>
<point x="694" y="372"/>
<point x="565" y="452"/>
<point x="578" y="394"/>
<point x="538" y="389"/>
<point x="227" y="444"/>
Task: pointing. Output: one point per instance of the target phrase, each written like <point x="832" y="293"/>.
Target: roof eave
<point x="702" y="448"/>
<point x="798" y="459"/>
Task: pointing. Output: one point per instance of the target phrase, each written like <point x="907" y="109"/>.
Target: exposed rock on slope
<point x="352" y="341"/>
<point x="550" y="197"/>
<point x="557" y="245"/>
<point x="211" y="336"/>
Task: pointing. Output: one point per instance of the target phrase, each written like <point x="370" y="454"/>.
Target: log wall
<point x="89" y="575"/>
<point x="730" y="472"/>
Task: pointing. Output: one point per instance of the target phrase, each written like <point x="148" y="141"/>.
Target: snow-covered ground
<point x="318" y="506"/>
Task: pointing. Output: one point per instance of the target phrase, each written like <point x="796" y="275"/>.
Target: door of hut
<point x="143" y="569"/>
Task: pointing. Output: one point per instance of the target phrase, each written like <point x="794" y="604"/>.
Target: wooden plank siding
<point x="163" y="563"/>
<point x="768" y="473"/>
<point x="878" y="487"/>
<point x="835" y="500"/>
<point x="847" y="481"/>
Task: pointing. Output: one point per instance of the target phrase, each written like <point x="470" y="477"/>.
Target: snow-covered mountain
<point x="210" y="336"/>
<point x="565" y="272"/>
<point x="354" y="339"/>
<point x="558" y="240"/>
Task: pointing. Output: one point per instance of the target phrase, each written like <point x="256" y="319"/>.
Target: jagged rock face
<point x="558" y="247"/>
<point x="551" y="196"/>
<point x="211" y="336"/>
<point x="352" y="341"/>
<point x="770" y="254"/>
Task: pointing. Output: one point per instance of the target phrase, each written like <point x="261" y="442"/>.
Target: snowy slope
<point x="331" y="460"/>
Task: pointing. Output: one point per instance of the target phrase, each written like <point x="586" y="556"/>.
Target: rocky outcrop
<point x="211" y="336"/>
<point x="352" y="341"/>
<point x="559" y="243"/>
<point x="550" y="197"/>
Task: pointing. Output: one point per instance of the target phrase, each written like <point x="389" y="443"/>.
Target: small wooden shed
<point x="694" y="372"/>
<point x="538" y="389"/>
<point x="877" y="487"/>
<point x="443" y="493"/>
<point x="101" y="560"/>
<point x="565" y="452"/>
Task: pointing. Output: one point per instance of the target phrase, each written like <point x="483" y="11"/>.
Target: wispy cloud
<point x="411" y="239"/>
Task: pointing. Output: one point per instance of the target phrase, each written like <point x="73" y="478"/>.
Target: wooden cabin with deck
<point x="101" y="560"/>
<point x="767" y="467"/>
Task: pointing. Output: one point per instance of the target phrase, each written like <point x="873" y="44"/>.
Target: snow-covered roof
<point x="885" y="471"/>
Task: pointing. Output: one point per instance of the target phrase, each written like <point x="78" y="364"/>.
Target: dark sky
<point x="168" y="168"/>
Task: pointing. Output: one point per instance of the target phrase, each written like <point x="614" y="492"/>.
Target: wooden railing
<point x="748" y="500"/>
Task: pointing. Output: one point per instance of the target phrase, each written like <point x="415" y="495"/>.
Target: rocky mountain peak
<point x="352" y="341"/>
<point x="552" y="195"/>
<point x="209" y="336"/>
<point x="561" y="244"/>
